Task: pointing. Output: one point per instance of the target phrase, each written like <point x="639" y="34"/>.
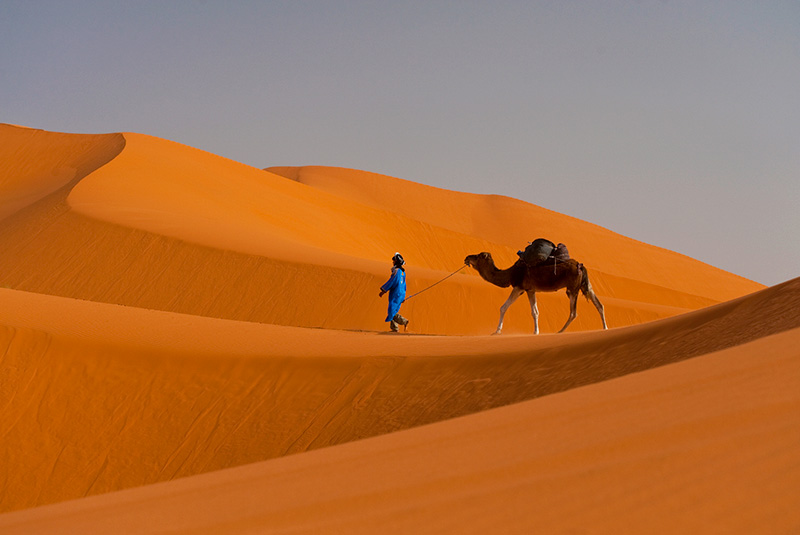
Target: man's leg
<point x="399" y="320"/>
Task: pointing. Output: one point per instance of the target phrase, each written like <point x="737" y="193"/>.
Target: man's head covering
<point x="398" y="259"/>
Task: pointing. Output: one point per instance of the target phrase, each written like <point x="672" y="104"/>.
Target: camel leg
<point x="573" y="310"/>
<point x="534" y="311"/>
<point x="515" y="293"/>
<point x="599" y="306"/>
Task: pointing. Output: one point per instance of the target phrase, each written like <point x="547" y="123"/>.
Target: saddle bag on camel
<point x="541" y="250"/>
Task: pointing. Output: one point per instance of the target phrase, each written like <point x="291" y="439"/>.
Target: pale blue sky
<point x="673" y="122"/>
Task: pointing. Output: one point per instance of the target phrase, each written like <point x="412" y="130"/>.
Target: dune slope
<point x="623" y="267"/>
<point x="116" y="397"/>
<point x="708" y="445"/>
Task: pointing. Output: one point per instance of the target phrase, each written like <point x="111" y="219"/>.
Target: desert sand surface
<point x="708" y="445"/>
<point x="195" y="345"/>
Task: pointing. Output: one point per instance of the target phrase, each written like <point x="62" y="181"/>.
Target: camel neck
<point x="499" y="277"/>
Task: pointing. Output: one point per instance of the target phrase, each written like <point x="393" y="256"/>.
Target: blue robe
<point x="396" y="286"/>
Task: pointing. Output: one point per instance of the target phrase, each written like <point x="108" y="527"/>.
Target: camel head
<point x="474" y="260"/>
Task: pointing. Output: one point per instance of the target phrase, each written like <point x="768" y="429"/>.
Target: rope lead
<point x="434" y="284"/>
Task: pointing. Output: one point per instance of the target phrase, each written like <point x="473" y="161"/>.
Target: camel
<point x="546" y="277"/>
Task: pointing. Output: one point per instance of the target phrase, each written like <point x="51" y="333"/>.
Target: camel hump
<point x="561" y="253"/>
<point x="538" y="251"/>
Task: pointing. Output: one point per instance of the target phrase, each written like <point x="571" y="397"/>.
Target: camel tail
<point x="586" y="286"/>
<point x="588" y="293"/>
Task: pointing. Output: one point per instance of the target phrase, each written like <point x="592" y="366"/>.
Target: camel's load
<point x="541" y="250"/>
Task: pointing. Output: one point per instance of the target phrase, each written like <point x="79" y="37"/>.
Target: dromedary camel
<point x="547" y="277"/>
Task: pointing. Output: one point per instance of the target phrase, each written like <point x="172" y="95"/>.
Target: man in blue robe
<point x="396" y="286"/>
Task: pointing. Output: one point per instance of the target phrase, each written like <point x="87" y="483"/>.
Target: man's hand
<point x="381" y="293"/>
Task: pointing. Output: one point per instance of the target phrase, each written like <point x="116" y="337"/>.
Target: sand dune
<point x="512" y="223"/>
<point x="169" y="313"/>
<point x="709" y="444"/>
<point x="133" y="396"/>
<point x="260" y="247"/>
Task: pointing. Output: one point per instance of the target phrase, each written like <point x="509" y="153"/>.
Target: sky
<point x="676" y="123"/>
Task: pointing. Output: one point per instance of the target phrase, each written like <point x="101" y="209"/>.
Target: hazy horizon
<point x="673" y="123"/>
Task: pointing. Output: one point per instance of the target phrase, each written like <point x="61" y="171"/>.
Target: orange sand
<point x="157" y="305"/>
<point x="260" y="247"/>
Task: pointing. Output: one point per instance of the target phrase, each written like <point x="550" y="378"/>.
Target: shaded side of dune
<point x="86" y="416"/>
<point x="39" y="168"/>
